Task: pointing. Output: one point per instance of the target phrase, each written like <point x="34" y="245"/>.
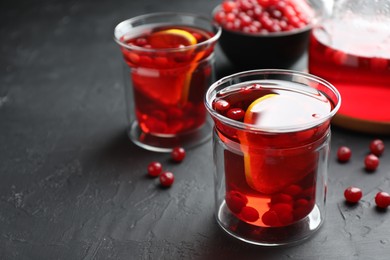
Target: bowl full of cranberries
<point x="266" y="33"/>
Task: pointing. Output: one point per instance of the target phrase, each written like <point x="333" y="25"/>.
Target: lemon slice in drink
<point x="177" y="38"/>
<point x="252" y="164"/>
<point x="171" y="38"/>
<point x="270" y="170"/>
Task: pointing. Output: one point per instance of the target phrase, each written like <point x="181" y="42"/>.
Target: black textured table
<point x="72" y="186"/>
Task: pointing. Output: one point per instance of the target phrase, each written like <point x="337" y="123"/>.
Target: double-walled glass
<point x="271" y="181"/>
<point x="169" y="65"/>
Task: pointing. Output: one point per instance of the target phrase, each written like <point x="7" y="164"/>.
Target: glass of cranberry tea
<point x="169" y="64"/>
<point x="271" y="143"/>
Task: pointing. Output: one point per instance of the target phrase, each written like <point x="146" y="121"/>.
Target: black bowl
<point x="264" y="51"/>
<point x="258" y="50"/>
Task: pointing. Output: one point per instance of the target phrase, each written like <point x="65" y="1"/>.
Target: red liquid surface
<point x="271" y="178"/>
<point x="168" y="83"/>
<point x="356" y="60"/>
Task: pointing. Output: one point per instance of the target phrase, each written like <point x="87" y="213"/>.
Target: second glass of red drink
<point x="169" y="65"/>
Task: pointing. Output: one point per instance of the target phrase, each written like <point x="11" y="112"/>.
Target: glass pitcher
<point x="351" y="49"/>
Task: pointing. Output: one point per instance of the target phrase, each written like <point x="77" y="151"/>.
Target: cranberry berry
<point x="154" y="169"/>
<point x="221" y="105"/>
<point x="382" y="199"/>
<point x="236" y="201"/>
<point x="353" y="194"/>
<point x="249" y="214"/>
<point x="263" y="16"/>
<point x="377" y="147"/>
<point x="167" y="179"/>
<point x="236" y="114"/>
<point x="371" y="162"/>
<point x="344" y="154"/>
<point x="178" y="154"/>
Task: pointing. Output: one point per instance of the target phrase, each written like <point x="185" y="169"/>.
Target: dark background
<point x="72" y="186"/>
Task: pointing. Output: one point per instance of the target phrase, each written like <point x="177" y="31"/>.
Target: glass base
<point x="270" y="236"/>
<point x="167" y="143"/>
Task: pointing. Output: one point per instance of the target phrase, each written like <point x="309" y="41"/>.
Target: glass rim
<point x="129" y="21"/>
<point x="284" y="129"/>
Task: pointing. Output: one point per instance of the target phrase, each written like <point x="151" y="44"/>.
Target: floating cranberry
<point x="344" y="154"/>
<point x="154" y="169"/>
<point x="282" y="208"/>
<point x="141" y="42"/>
<point x="270" y="218"/>
<point x="293" y="190"/>
<point x="221" y="105"/>
<point x="167" y="179"/>
<point x="249" y="214"/>
<point x="281" y="198"/>
<point x="236" y="114"/>
<point x="235" y="200"/>
<point x="353" y="194"/>
<point x="382" y="199"/>
<point x="178" y="154"/>
<point x="371" y="162"/>
<point x="377" y="147"/>
<point x="301" y="203"/>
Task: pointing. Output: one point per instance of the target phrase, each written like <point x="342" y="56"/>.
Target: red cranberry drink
<point x="354" y="55"/>
<point x="271" y="143"/>
<point x="170" y="58"/>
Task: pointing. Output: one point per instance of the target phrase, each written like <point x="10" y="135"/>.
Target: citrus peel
<point x="171" y="38"/>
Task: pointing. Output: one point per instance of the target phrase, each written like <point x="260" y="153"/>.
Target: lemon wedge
<point x="268" y="170"/>
<point x="252" y="164"/>
<point x="171" y="38"/>
<point x="250" y="114"/>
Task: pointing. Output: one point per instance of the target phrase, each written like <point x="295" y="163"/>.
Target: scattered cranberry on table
<point x="353" y="194"/>
<point x="382" y="199"/>
<point x="167" y="179"/>
<point x="377" y="147"/>
<point x="344" y="153"/>
<point x="178" y="154"/>
<point x="154" y="169"/>
<point x="371" y="162"/>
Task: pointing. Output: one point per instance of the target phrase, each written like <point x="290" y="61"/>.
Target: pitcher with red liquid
<point x="351" y="49"/>
<point x="169" y="65"/>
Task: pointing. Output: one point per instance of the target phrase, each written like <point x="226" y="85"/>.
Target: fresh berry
<point x="344" y="154"/>
<point x="270" y="218"/>
<point x="154" y="169"/>
<point x="263" y="16"/>
<point x="236" y="114"/>
<point x="249" y="214"/>
<point x="221" y="105"/>
<point x="236" y="201"/>
<point x="281" y="198"/>
<point x="293" y="190"/>
<point x="167" y="179"/>
<point x="377" y="147"/>
<point x="353" y="194"/>
<point x="371" y="162"/>
<point x="178" y="154"/>
<point x="382" y="199"/>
